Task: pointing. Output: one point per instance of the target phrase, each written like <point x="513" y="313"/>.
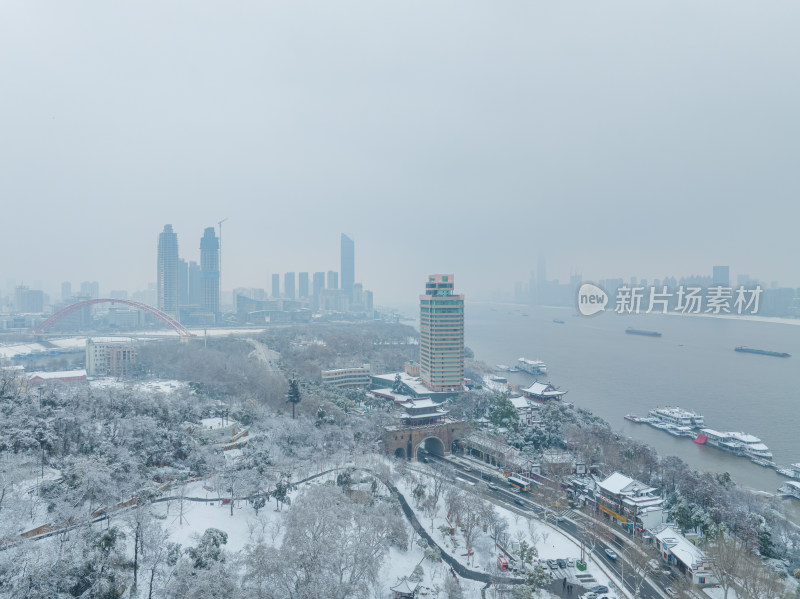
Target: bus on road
<point x="517" y="482"/>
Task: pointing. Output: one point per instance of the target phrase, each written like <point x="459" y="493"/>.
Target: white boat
<point x="532" y="366"/>
<point x="738" y="443"/>
<point x="678" y="417"/>
<point x="502" y="367"/>
<point x="790" y="489"/>
<point x="752" y="446"/>
<point x="792" y="471"/>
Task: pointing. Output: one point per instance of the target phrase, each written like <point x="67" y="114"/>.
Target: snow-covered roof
<point x="423" y="402"/>
<point x="543" y="389"/>
<point x="412" y="382"/>
<point x="619" y="484"/>
<point x="615" y="483"/>
<point x="61" y="374"/>
<point x="537" y="388"/>
<point x="387" y="393"/>
<point x="519" y="403"/>
<point x="688" y="553"/>
<point x="404" y="587"/>
<point x="745" y="438"/>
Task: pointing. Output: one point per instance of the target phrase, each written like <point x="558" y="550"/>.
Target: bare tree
<point x="727" y="553"/>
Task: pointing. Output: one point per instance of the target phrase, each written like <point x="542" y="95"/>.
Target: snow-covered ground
<point x="550" y="542"/>
<point x="245" y="526"/>
<point x="21" y="349"/>
<point x="717" y="593"/>
<point x="165" y="386"/>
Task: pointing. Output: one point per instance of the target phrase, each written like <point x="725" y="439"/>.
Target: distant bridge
<point x="162" y="316"/>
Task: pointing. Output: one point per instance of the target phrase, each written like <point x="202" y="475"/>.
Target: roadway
<point x="522" y="503"/>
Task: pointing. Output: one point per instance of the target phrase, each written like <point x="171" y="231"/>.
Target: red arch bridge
<point x="162" y="316"/>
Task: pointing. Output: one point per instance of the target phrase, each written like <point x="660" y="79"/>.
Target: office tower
<point x="721" y="276"/>
<point x="209" y="271"/>
<point x="183" y="282"/>
<point x="441" y="335"/>
<point x="66" y="291"/>
<point x="276" y="286"/>
<point x="288" y="285"/>
<point x="348" y="269"/>
<point x="333" y="279"/>
<point x="195" y="284"/>
<point x="317" y="285"/>
<point x="369" y="307"/>
<point x="28" y="300"/>
<point x="302" y="285"/>
<point x="90" y="289"/>
<point x="167" y="275"/>
<point x="358" y="295"/>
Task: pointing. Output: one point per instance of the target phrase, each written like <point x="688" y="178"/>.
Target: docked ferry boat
<point x="792" y="471"/>
<point x="678" y="417"/>
<point x="790" y="489"/>
<point x="737" y="443"/>
<point x="532" y="366"/>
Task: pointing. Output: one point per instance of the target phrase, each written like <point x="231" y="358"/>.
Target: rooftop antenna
<point x="220" y="262"/>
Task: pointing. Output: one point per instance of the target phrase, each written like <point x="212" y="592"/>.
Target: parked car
<point x="598" y="589"/>
<point x="553" y="564"/>
<point x="561" y="563"/>
<point x="570" y="561"/>
<point x="671" y="592"/>
<point x="610" y="553"/>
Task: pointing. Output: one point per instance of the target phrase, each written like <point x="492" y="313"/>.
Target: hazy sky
<point x="617" y="138"/>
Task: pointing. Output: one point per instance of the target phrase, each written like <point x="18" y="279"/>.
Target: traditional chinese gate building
<point x="423" y="423"/>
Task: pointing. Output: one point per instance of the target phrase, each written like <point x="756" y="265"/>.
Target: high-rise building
<point x="167" y="275"/>
<point x="66" y="291"/>
<point x="302" y="285"/>
<point x="90" y="289"/>
<point x="28" y="300"/>
<point x="317" y="285"/>
<point x="441" y="335"/>
<point x="368" y="303"/>
<point x="115" y="358"/>
<point x="721" y="276"/>
<point x="195" y="284"/>
<point x="183" y="282"/>
<point x="289" y="285"/>
<point x="276" y="286"/>
<point x="348" y="269"/>
<point x="209" y="271"/>
<point x="333" y="279"/>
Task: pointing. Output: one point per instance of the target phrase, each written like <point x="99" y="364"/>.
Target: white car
<point x="671" y="592"/>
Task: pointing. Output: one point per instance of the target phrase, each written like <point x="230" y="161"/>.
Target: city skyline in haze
<point x="619" y="139"/>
